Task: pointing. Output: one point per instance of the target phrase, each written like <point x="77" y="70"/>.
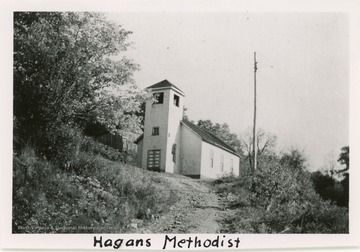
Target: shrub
<point x="289" y="203"/>
<point x="330" y="188"/>
<point x="31" y="176"/>
<point x="92" y="146"/>
<point x="280" y="199"/>
<point x="236" y="187"/>
<point x="227" y="178"/>
<point x="59" y="142"/>
<point x="133" y="183"/>
<point x="97" y="195"/>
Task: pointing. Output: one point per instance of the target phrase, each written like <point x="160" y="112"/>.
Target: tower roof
<point x="165" y="84"/>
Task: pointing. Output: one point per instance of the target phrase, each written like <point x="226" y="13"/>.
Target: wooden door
<point x="153" y="160"/>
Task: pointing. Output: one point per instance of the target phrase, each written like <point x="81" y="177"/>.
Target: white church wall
<point x="177" y="162"/>
<point x="223" y="162"/>
<point x="190" y="152"/>
<point x="173" y="134"/>
<point x="156" y="116"/>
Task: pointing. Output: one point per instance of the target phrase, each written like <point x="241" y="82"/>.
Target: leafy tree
<point x="223" y="132"/>
<point x="334" y="188"/>
<point x="286" y="202"/>
<point x="323" y="184"/>
<point x="294" y="159"/>
<point x="344" y="158"/>
<point x="66" y="75"/>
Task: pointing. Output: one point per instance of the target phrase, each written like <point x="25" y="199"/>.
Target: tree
<point x="330" y="165"/>
<point x="66" y="75"/>
<point x="333" y="183"/>
<point x="344" y="158"/>
<point x="294" y="158"/>
<point x="265" y="144"/>
<point x="223" y="132"/>
<point x="285" y="202"/>
<point x="185" y="115"/>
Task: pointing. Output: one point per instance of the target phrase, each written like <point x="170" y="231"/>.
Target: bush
<point x="289" y="203"/>
<point x="97" y="195"/>
<point x="127" y="180"/>
<point x="234" y="187"/>
<point x="331" y="189"/>
<point x="31" y="176"/>
<point x="90" y="145"/>
<point x="280" y="198"/>
<point x="227" y="178"/>
<point x="59" y="143"/>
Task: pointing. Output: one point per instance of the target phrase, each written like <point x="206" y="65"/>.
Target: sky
<point x="302" y="77"/>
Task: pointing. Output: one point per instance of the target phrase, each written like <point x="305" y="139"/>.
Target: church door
<point x="153" y="160"/>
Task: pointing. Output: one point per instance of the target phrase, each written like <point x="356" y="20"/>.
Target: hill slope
<point x="93" y="195"/>
<point x="198" y="209"/>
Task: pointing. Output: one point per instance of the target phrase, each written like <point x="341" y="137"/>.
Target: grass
<point x="93" y="195"/>
<point x="288" y="212"/>
<point x="237" y="187"/>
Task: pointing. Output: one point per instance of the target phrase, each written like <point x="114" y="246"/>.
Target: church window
<point x="155" y="131"/>
<point x="211" y="158"/>
<point x="159" y="97"/>
<point x="173" y="151"/>
<point x="176" y="100"/>
<point x="222" y="162"/>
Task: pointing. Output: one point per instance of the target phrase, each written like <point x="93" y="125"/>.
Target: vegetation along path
<point x="199" y="209"/>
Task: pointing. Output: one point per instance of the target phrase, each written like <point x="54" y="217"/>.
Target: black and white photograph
<point x="212" y="126"/>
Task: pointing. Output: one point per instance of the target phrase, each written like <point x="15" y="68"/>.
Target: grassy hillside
<point x="92" y="194"/>
<point x="279" y="200"/>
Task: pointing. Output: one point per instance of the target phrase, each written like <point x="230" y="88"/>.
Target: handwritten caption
<point x="169" y="241"/>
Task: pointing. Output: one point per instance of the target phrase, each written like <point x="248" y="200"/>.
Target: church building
<point x="174" y="145"/>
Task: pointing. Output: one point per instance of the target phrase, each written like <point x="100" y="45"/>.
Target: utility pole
<point x="254" y="125"/>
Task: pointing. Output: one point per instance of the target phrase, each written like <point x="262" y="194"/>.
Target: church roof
<point x="209" y="137"/>
<point x="165" y="84"/>
<point x="137" y="140"/>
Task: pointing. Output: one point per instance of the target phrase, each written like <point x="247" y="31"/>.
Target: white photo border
<point x="248" y="241"/>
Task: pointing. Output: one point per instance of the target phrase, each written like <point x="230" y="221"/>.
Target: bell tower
<point x="163" y="114"/>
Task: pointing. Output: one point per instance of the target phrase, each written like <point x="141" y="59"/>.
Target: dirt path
<point x="198" y="210"/>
